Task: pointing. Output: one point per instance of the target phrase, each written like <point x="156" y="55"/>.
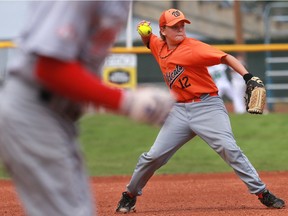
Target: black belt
<point x="66" y="108"/>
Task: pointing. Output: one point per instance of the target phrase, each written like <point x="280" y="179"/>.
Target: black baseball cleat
<point x="270" y="200"/>
<point x="126" y="204"/>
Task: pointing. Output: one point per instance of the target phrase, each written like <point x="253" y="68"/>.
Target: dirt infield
<point x="175" y="195"/>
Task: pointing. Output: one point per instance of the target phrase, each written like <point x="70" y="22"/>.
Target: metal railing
<point x="276" y="79"/>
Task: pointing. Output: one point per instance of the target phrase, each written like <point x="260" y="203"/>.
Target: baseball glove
<point x="255" y="96"/>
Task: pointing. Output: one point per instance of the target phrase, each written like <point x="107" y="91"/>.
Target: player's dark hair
<point x="162" y="36"/>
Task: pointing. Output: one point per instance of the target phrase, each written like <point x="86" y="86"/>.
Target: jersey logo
<point x="171" y="77"/>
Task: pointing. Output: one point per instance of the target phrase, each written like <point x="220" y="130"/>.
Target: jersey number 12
<point x="184" y="82"/>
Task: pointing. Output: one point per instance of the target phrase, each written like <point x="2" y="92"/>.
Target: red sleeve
<point x="73" y="81"/>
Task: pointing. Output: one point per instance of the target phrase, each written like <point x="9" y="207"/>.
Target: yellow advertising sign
<point x="120" y="70"/>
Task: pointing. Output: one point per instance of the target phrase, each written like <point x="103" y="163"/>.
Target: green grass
<point x="112" y="145"/>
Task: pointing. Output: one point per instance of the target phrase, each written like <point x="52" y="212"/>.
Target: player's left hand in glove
<point x="255" y="98"/>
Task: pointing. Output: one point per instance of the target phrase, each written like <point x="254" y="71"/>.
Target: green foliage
<point x="112" y="144"/>
<point x="3" y="173"/>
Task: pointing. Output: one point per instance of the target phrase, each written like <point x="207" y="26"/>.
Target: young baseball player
<point x="219" y="76"/>
<point x="239" y="87"/>
<point x="198" y="110"/>
<point x="51" y="80"/>
<point x="234" y="90"/>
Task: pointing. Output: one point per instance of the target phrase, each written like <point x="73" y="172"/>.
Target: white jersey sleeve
<point x="218" y="73"/>
<point x="62" y="29"/>
<point x="71" y="30"/>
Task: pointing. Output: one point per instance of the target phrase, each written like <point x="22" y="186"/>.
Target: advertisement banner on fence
<point x="120" y="70"/>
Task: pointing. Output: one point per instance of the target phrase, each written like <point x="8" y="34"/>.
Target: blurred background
<point x="223" y="23"/>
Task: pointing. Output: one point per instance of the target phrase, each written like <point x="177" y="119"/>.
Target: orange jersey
<point x="185" y="68"/>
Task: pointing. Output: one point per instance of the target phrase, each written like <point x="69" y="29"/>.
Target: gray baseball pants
<point x="39" y="149"/>
<point x="210" y="121"/>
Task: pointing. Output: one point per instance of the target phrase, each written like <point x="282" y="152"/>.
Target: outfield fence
<point x="272" y="68"/>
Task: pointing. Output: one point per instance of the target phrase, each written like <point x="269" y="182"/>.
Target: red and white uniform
<point x="43" y="97"/>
